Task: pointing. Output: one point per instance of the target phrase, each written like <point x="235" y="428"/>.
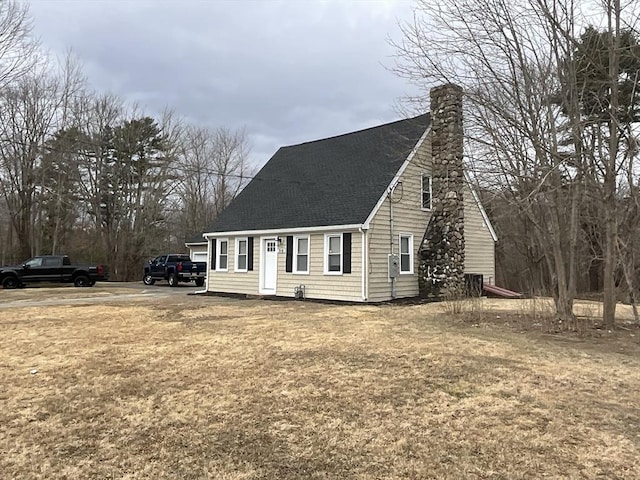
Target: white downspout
<point x="393" y="280"/>
<point x="364" y="263"/>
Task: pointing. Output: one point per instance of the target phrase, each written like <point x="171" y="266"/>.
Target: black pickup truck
<point x="174" y="268"/>
<point x="51" y="268"/>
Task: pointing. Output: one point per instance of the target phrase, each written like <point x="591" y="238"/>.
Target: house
<point x="348" y="217"/>
<point x="197" y="246"/>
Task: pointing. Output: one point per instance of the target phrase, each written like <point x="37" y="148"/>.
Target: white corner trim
<point x="208" y="277"/>
<point x="395" y="180"/>
<point x="485" y="217"/>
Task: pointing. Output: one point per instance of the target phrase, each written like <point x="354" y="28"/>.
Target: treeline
<point x="552" y="118"/>
<point x="85" y="174"/>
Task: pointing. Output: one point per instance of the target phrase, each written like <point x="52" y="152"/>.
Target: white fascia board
<point x="196" y="244"/>
<point x="284" y="231"/>
<point x="395" y="180"/>
<point x="485" y="217"/>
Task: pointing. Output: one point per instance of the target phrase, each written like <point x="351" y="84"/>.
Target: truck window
<point x="34" y="262"/>
<point x="51" y="262"/>
<point x="66" y="261"/>
<point x="183" y="258"/>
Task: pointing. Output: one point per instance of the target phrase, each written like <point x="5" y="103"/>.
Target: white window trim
<point x="326" y="253"/>
<point x="236" y="254"/>
<point x="430" y="191"/>
<point x="411" y="259"/>
<point x="295" y="254"/>
<point x="218" y="253"/>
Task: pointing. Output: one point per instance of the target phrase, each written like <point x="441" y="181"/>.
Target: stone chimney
<point x="442" y="249"/>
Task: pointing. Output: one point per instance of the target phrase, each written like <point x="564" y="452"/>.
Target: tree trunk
<point x="609" y="310"/>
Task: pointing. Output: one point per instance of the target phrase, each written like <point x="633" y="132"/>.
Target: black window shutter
<point x="250" y="254"/>
<point x="289" y="265"/>
<point x="214" y="242"/>
<point x="346" y="253"/>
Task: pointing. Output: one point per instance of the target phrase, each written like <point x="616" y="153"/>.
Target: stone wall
<point x="442" y="249"/>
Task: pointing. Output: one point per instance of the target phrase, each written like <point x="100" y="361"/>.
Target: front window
<point x="223" y="254"/>
<point x="406" y="253"/>
<point x="241" y="255"/>
<point x="426" y="191"/>
<point x="333" y="254"/>
<point x="34" y="262"/>
<point x="301" y="254"/>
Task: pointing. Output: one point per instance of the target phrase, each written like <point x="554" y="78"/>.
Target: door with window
<point x="269" y="265"/>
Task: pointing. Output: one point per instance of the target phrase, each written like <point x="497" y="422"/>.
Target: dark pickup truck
<point x="174" y="268"/>
<point x="51" y="268"/>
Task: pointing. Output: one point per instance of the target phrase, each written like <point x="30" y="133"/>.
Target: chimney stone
<point x="442" y="250"/>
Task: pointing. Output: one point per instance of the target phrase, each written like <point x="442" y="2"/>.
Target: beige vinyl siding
<point x="345" y="287"/>
<point x="236" y="282"/>
<point x="408" y="218"/>
<point x="479" y="247"/>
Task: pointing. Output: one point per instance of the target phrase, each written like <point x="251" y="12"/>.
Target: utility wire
<point x="181" y="167"/>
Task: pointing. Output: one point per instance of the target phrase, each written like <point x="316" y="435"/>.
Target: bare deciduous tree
<point x="32" y="108"/>
<point x="215" y="167"/>
<point x="18" y="51"/>
<point x="521" y="64"/>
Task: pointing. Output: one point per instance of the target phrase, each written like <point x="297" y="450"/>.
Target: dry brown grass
<point x="229" y="389"/>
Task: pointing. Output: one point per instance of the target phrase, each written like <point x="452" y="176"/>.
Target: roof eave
<point x="280" y="231"/>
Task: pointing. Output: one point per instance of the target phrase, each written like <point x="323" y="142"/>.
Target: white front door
<point x="269" y="265"/>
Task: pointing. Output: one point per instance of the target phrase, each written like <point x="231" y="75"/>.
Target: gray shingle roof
<point x="335" y="181"/>
<point x="196" y="238"/>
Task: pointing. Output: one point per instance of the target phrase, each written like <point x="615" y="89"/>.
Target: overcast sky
<point x="287" y="71"/>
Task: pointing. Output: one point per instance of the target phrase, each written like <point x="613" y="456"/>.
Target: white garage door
<point x="199" y="256"/>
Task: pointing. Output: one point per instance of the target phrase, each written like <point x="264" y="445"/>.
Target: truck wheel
<point x="199" y="282"/>
<point x="173" y="280"/>
<point x="81" y="281"/>
<point x="10" y="282"/>
<point x="148" y="279"/>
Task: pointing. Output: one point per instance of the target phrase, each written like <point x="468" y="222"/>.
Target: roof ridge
<point x="375" y="127"/>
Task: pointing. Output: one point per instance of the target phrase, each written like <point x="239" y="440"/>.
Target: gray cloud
<point x="288" y="71"/>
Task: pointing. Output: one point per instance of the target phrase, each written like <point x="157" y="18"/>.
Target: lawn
<point x="247" y="389"/>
